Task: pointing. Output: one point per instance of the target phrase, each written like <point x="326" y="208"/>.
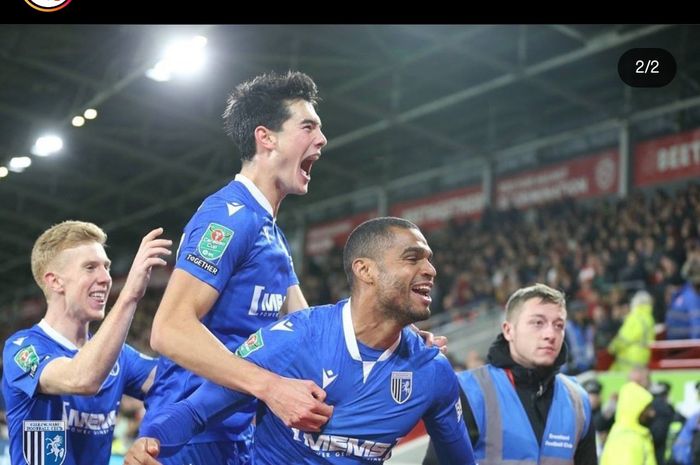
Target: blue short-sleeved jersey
<point x="233" y="244"/>
<point x="378" y="396"/>
<point x="62" y="429"/>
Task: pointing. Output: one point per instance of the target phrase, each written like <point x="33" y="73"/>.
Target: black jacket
<point x="535" y="390"/>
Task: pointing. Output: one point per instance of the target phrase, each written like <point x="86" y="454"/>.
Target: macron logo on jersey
<point x="233" y="208"/>
<point x="284" y="325"/>
<point x="19" y="341"/>
<point x="328" y="377"/>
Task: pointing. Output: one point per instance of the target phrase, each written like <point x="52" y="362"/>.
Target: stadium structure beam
<point x="569" y="32"/>
<point x="597" y="45"/>
<point x="545" y="85"/>
<point x="142" y="101"/>
<point x="146" y="175"/>
<point x="401" y="62"/>
<point x="127" y="150"/>
<point x="7" y="215"/>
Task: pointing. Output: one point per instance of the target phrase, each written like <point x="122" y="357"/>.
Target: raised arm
<point x="85" y="373"/>
<point x="179" y="335"/>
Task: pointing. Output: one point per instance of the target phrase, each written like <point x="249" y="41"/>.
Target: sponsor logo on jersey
<point x="44" y="442"/>
<point x="214" y="242"/>
<point x="458" y="408"/>
<point x="253" y="343"/>
<point x="19" y="341"/>
<point x="330" y="445"/>
<point x="88" y="422"/>
<point x="28" y="360"/>
<point x="401" y="385"/>
<point x="195" y="260"/>
<point x="265" y="303"/>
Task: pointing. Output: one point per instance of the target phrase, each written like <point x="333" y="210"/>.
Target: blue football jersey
<point x="62" y="429"/>
<point x="233" y="244"/>
<point x="378" y="396"/>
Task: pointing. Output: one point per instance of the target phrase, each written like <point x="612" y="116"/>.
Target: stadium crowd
<point x="600" y="253"/>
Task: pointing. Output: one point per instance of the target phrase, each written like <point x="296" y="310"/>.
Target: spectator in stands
<point x="521" y="392"/>
<point x="640" y="375"/>
<point x="630" y="441"/>
<point x="594" y="388"/>
<point x="605" y="327"/>
<point x="579" y="340"/>
<point x="665" y="415"/>
<point x="633" y="270"/>
<point x="603" y="416"/>
<point x="683" y="318"/>
<point x="632" y="343"/>
<point x="666" y="281"/>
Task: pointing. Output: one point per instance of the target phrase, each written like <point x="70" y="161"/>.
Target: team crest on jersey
<point x="115" y="369"/>
<point x="401" y="385"/>
<point x="214" y="241"/>
<point x="253" y="343"/>
<point x="28" y="360"/>
<point x="44" y="442"/>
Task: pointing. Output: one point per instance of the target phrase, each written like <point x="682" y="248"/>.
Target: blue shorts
<point x="213" y="453"/>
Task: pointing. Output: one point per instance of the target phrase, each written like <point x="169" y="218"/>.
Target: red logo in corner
<point x="48" y="6"/>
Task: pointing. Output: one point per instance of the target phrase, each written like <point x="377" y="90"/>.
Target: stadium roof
<point x="397" y="100"/>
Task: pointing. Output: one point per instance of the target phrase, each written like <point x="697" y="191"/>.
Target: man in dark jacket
<point x="519" y="387"/>
<point x="665" y="415"/>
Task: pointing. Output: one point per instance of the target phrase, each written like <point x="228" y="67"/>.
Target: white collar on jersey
<point x="255" y="192"/>
<point x="55" y="335"/>
<point x="351" y="344"/>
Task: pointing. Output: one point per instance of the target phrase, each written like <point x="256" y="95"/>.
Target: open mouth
<point x="306" y="165"/>
<point x="99" y="296"/>
<point x="423" y="290"/>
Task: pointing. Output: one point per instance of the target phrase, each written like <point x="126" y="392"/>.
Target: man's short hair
<point x="593" y="386"/>
<point x="264" y="101"/>
<point x="691" y="270"/>
<point x="369" y="239"/>
<point x="58" y="238"/>
<point x="545" y="293"/>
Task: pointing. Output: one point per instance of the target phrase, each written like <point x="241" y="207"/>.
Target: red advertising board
<point x="321" y="238"/>
<point x="667" y="159"/>
<point x="589" y="176"/>
<point x="434" y="211"/>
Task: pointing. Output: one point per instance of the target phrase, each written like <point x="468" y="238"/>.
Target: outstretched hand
<point x="146" y="258"/>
